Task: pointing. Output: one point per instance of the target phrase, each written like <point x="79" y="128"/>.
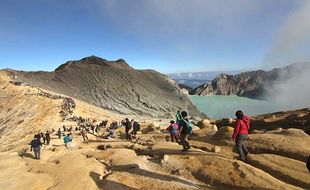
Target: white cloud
<point x="292" y="43"/>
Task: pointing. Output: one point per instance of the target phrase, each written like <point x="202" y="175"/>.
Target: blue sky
<point x="168" y="36"/>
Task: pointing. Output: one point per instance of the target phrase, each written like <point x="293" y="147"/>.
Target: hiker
<point x="123" y="123"/>
<point x="136" y="128"/>
<point x="92" y="127"/>
<point x="178" y="117"/>
<point x="43" y="137"/>
<point x="128" y="126"/>
<point x="36" y="147"/>
<point x="39" y="136"/>
<point x="308" y="163"/>
<point x="67" y="140"/>
<point x="84" y="134"/>
<point x="111" y="129"/>
<point x="59" y="133"/>
<point x="241" y="133"/>
<point x="185" y="131"/>
<point x="64" y="128"/>
<point x="174" y="131"/>
<point x="48" y="137"/>
<point x="113" y="126"/>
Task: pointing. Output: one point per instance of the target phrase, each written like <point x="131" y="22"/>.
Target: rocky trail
<point x="118" y="164"/>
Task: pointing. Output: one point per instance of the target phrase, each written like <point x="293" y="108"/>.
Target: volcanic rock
<point x="113" y="85"/>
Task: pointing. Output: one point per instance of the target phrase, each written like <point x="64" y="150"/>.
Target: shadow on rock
<point x="108" y="184"/>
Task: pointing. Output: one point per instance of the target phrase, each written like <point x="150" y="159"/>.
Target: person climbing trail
<point x="36" y="147"/>
<point x="48" y="137"/>
<point x="84" y="134"/>
<point x="128" y="126"/>
<point x="136" y="128"/>
<point x="185" y="131"/>
<point x="43" y="137"/>
<point x="178" y="117"/>
<point x="241" y="133"/>
<point x="59" y="133"/>
<point x="67" y="140"/>
<point x="111" y="129"/>
<point x="174" y="131"/>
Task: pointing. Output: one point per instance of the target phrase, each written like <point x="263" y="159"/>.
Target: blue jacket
<point x="35" y="143"/>
<point x="67" y="139"/>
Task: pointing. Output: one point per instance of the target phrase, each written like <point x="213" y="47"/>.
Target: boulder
<point x="195" y="128"/>
<point x="205" y="123"/>
<point x="227" y="121"/>
<point x="216" y="149"/>
<point x="223" y="135"/>
<point x="153" y="127"/>
<point x="294" y="132"/>
<point x="215" y="127"/>
<point x="195" y="120"/>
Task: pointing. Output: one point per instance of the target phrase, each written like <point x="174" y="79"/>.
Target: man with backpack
<point x="36" y="147"/>
<point x="136" y="128"/>
<point x="128" y="126"/>
<point x="174" y="131"/>
<point x="185" y="131"/>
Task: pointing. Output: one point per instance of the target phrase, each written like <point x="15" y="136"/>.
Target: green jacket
<point x="178" y="117"/>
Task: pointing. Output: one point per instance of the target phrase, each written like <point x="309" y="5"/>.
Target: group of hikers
<point x="128" y="124"/>
<point x="36" y="143"/>
<point x="182" y="128"/>
<point x="179" y="130"/>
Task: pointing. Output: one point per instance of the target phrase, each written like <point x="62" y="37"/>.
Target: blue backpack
<point x="189" y="127"/>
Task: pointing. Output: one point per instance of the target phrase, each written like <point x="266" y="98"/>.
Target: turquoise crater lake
<point x="225" y="106"/>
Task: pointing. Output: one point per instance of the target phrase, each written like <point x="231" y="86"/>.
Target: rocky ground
<point x="149" y="161"/>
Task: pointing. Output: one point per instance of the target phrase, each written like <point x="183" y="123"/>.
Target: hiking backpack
<point x="189" y="127"/>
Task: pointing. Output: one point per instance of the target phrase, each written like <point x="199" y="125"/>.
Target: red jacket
<point x="242" y="126"/>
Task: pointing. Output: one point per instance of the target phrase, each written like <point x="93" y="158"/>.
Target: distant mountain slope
<point x="113" y="85"/>
<point x="192" y="83"/>
<point x="199" y="75"/>
<point x="249" y="84"/>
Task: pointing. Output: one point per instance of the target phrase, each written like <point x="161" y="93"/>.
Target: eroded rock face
<point x="114" y="85"/>
<point x="249" y="84"/>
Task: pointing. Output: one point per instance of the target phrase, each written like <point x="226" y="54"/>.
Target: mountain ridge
<point x="113" y="85"/>
<point x="252" y="84"/>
